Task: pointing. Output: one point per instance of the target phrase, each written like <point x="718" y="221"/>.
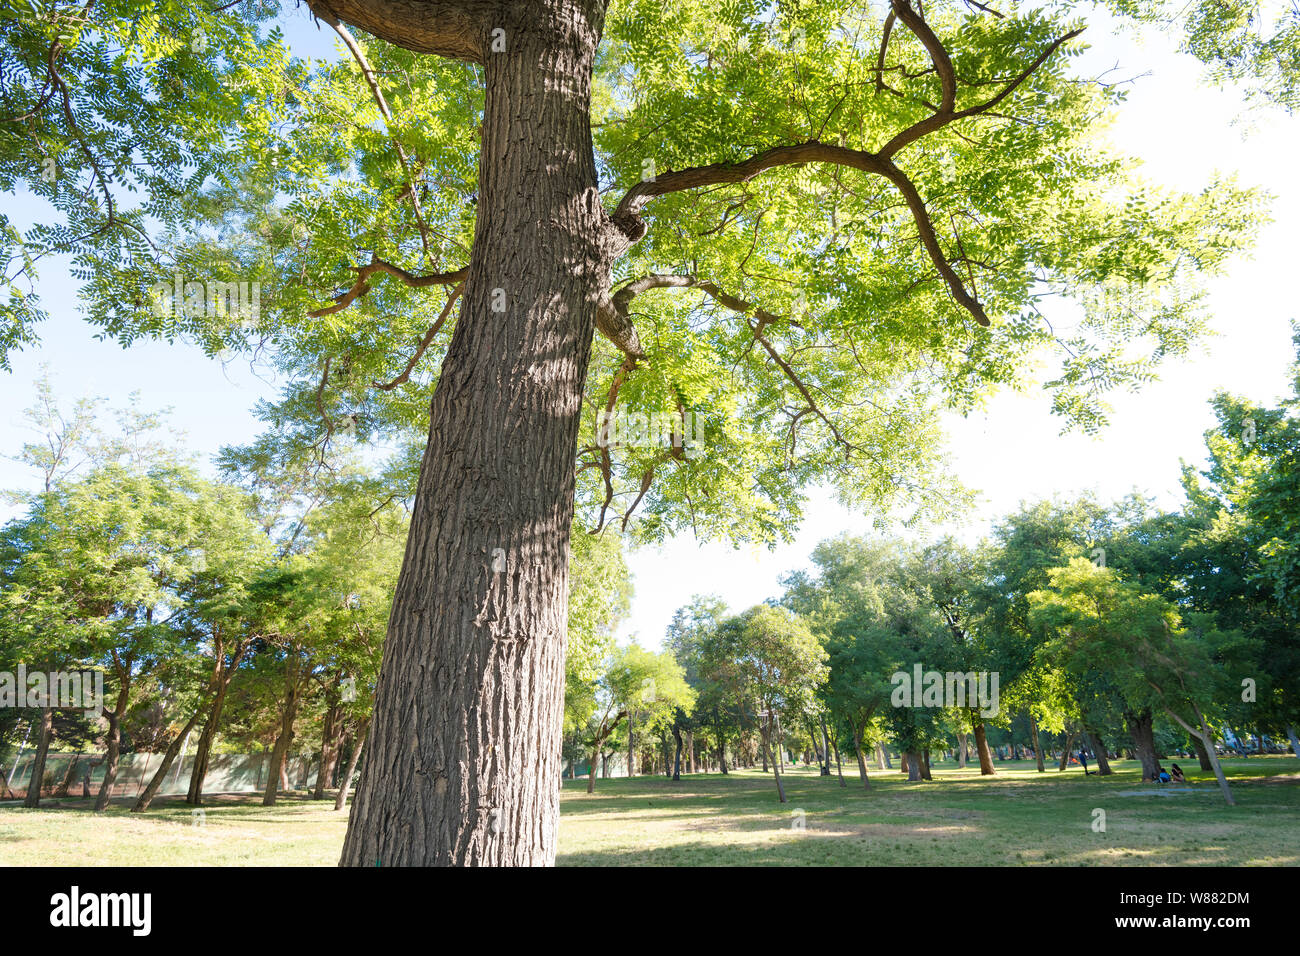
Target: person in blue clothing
<point x="1083" y="760"/>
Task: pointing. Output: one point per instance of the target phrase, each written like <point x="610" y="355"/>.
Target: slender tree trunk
<point x="835" y="748"/>
<point x="69" y="775"/>
<point x="289" y="713"/>
<point x="982" y="745"/>
<point x="677" y="757"/>
<point x="631" y="746"/>
<point x="218" y="683"/>
<point x="882" y="758"/>
<point x="114" y="747"/>
<point x="142" y="802"/>
<point x="591" y="774"/>
<point x="33" y="798"/>
<point x="862" y="761"/>
<point x="1202" y="755"/>
<point x="9" y="776"/>
<point x="358" y="741"/>
<point x="776" y="769"/>
<point x="330" y="744"/>
<point x="1099" y="753"/>
<point x="1208" y="739"/>
<point x="826" y="749"/>
<point x="1065" y="752"/>
<point x="465" y="741"/>
<point x="961" y="751"/>
<point x="722" y="753"/>
<point x="925" y="765"/>
<point x="1038" y="745"/>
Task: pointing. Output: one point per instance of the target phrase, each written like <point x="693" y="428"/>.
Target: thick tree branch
<point x="915" y="22"/>
<point x="884" y="48"/>
<point x="813" y="151"/>
<point x="941" y="117"/>
<point x="627" y="215"/>
<point x="457" y="29"/>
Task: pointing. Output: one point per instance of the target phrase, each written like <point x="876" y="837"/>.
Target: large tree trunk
<point x="913" y="760"/>
<point x="982" y="745"/>
<point x="146" y="798"/>
<point x="1295" y="741"/>
<point x="1140" y="728"/>
<point x="358" y="741"/>
<point x="465" y="741"/>
<point x="33" y="798"/>
<point x="962" y="750"/>
<point x="1099" y="753"/>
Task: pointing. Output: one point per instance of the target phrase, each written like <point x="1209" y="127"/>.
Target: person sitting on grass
<point x="1176" y="773"/>
<point x="1160" y="775"/>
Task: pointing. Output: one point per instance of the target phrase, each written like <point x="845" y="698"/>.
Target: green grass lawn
<point x="1017" y="817"/>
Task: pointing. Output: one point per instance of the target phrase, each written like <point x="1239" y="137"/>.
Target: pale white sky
<point x="1182" y="129"/>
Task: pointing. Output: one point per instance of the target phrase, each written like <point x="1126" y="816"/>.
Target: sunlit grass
<point x="1018" y="817"/>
